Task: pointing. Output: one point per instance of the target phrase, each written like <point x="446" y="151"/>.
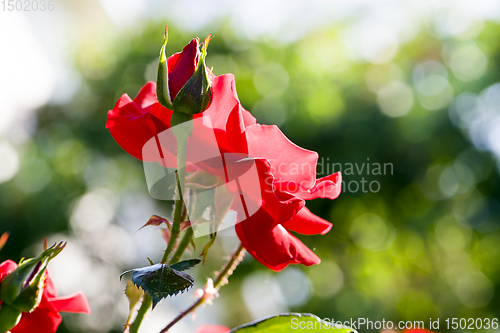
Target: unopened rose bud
<point x="196" y="95"/>
<point x="22" y="289"/>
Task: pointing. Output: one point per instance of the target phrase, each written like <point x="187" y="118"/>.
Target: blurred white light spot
<point x="463" y="110"/>
<point x="270" y="111"/>
<point x="94" y="210"/>
<point x="10" y="161"/>
<point x="371" y="232"/>
<point x="451" y="235"/>
<point x="448" y="182"/>
<point x="34" y="175"/>
<point x="467" y="61"/>
<point x="271" y="80"/>
<point x="257" y="288"/>
<point x="327" y="279"/>
<point x="378" y="77"/>
<point x="293" y="286"/>
<point x="123" y="15"/>
<point x="27" y="79"/>
<point x="379" y="45"/>
<point x="429" y="72"/>
<point x="431" y="82"/>
<point x="475" y="290"/>
<point x="395" y="100"/>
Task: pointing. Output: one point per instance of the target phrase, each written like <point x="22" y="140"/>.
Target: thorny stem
<point x="178" y="216"/>
<point x="220" y="280"/>
<point x="179" y="203"/>
<point x="188" y="235"/>
<point x="146" y="304"/>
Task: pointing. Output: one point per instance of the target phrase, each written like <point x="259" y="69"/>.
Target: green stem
<point x="181" y="175"/>
<point x="188" y="235"/>
<point x="146" y="304"/>
<point x="220" y="280"/>
<point x="178" y="216"/>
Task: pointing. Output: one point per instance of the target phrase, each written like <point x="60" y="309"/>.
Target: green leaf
<point x="290" y="322"/>
<point x="161" y="281"/>
<point x="186" y="264"/>
<point x="134" y="294"/>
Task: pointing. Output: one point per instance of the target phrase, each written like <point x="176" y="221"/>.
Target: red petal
<point x="50" y="290"/>
<point x="74" y="303"/>
<point x="307" y="223"/>
<point x="45" y="319"/>
<point x="225" y="113"/>
<point x="182" y="67"/>
<point x="212" y="329"/>
<point x="290" y="162"/>
<point x="275" y="248"/>
<point x="132" y="124"/>
<point x="6" y="267"/>
<point x="262" y="233"/>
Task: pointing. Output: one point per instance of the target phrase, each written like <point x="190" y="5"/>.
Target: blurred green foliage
<point x="425" y="246"/>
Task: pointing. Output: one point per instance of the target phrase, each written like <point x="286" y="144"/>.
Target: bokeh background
<point x="414" y="85"/>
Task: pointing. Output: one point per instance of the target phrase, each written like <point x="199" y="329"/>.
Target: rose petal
<point x="76" y="303"/>
<point x="307" y="223"/>
<point x="6" y="267"/>
<point x="132" y="126"/>
<point x="290" y="162"/>
<point x="182" y="67"/>
<point x="212" y="329"/>
<point x="275" y="248"/>
<point x="45" y="319"/>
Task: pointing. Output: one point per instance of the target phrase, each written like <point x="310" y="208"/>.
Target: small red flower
<point x="286" y="172"/>
<point x="212" y="329"/>
<point x="46" y="318"/>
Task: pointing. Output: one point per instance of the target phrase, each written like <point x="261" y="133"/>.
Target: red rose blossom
<point x="46" y="318"/>
<point x="287" y="173"/>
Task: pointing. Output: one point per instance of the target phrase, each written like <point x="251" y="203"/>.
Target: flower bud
<point x="196" y="94"/>
<point x="22" y="289"/>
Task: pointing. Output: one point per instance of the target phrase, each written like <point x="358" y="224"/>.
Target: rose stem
<point x="182" y="246"/>
<point x="146" y="304"/>
<point x="178" y="210"/>
<point x="220" y="280"/>
<point x="181" y="174"/>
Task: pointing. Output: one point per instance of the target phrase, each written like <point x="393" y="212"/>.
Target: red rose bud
<point x="175" y="71"/>
<point x="22" y="289"/>
<point x="196" y="95"/>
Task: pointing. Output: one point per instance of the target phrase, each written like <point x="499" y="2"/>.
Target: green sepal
<point x="196" y="94"/>
<point x="9" y="317"/>
<point x="162" y="90"/>
<point x="160" y="281"/>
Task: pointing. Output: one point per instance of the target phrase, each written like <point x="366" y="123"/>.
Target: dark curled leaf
<point x="186" y="264"/>
<point x="161" y="281"/>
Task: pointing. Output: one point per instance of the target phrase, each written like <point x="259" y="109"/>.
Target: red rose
<point x="212" y="329"/>
<point x="286" y="172"/>
<point x="46" y="318"/>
